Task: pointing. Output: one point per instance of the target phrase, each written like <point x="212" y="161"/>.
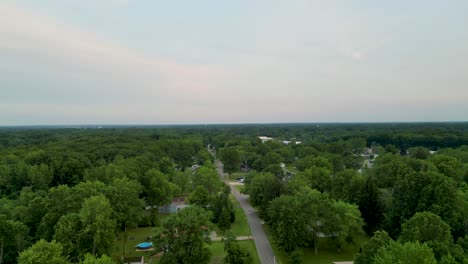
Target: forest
<point x="378" y="193"/>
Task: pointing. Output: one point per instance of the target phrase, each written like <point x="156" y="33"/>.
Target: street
<point x="265" y="252"/>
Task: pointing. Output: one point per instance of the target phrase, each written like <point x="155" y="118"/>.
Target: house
<point x="176" y="205"/>
<point x="265" y="139"/>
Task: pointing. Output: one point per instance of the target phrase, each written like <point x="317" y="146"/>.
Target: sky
<point x="66" y="62"/>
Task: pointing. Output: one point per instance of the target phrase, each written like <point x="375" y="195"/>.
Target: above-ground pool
<point x="144" y="245"/>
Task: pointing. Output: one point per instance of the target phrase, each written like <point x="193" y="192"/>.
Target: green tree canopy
<point x="183" y="236"/>
<point x="426" y="227"/>
<point x="43" y="252"/>
<point x="408" y="253"/>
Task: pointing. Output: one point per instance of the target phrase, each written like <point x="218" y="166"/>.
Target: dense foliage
<point x="70" y="191"/>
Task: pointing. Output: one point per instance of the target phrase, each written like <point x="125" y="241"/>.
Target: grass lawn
<point x="326" y="254"/>
<point x="240" y="227"/>
<point x="217" y="249"/>
<point x="240" y="188"/>
<point x="235" y="175"/>
<point x="135" y="237"/>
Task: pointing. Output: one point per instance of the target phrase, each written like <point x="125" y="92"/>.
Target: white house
<point x="265" y="139"/>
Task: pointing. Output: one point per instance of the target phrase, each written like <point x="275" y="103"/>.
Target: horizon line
<point x="234" y="123"/>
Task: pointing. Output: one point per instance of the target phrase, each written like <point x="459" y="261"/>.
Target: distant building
<point x="265" y="139"/>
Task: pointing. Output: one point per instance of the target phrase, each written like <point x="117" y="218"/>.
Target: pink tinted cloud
<point x="70" y="49"/>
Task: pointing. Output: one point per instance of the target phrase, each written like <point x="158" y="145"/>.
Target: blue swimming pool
<point x="145" y="245"/>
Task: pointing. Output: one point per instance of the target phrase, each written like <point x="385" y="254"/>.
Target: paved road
<point x="265" y="252"/>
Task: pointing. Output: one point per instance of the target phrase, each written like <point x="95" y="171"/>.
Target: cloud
<point x="68" y="50"/>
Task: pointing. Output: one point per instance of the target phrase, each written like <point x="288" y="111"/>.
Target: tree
<point x="428" y="228"/>
<point x="370" y="249"/>
<point x="435" y="193"/>
<point x="69" y="233"/>
<point x="40" y="177"/>
<point x="296" y="256"/>
<point x="224" y="221"/>
<point x="43" y="252"/>
<point x="263" y="188"/>
<point x="90" y="259"/>
<point x="318" y="211"/>
<point x="127" y="207"/>
<point x="346" y="185"/>
<point x="223" y="209"/>
<point x="96" y="218"/>
<point x="419" y="152"/>
<point x="344" y="223"/>
<point x="12" y="239"/>
<point x="235" y="254"/>
<point x="289" y="221"/>
<point x="200" y="197"/>
<point x="408" y="253"/>
<point x="231" y="159"/>
<point x="183" y="236"/>
<point x="448" y="166"/>
<point x="371" y="206"/>
<point x="313" y="162"/>
<point x="208" y="177"/>
<point x="318" y="177"/>
<point x="158" y="190"/>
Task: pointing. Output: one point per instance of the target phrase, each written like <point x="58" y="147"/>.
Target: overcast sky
<point x="242" y="61"/>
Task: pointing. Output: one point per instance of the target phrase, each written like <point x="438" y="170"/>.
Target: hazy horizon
<point x="129" y="62"/>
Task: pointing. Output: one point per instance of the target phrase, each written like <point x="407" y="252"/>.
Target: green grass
<point x="135" y="237"/>
<point x="235" y="175"/>
<point x="217" y="249"/>
<point x="240" y="227"/>
<point x="240" y="188"/>
<point x="326" y="254"/>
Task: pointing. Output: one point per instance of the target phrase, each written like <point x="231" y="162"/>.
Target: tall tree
<point x="369" y="250"/>
<point x="43" y="252"/>
<point x="263" y="188"/>
<point x="235" y="253"/>
<point x="208" y="177"/>
<point x="96" y="218"/>
<point x="158" y="190"/>
<point x="12" y="239"/>
<point x="183" y="236"/>
<point x="344" y="223"/>
<point x="69" y="233"/>
<point x="426" y="227"/>
<point x="127" y="207"/>
<point x="408" y="253"/>
<point x="231" y="158"/>
<point x="90" y="259"/>
<point x="371" y="206"/>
